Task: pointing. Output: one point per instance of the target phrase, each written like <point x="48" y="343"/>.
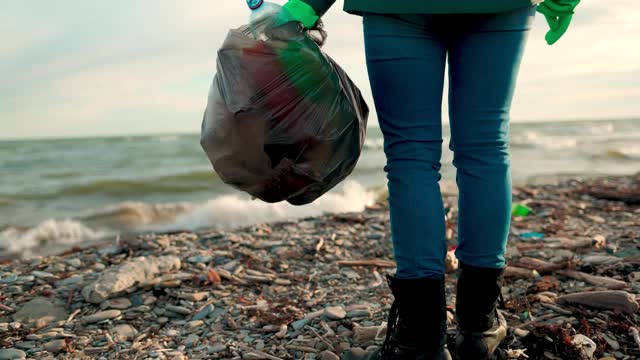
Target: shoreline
<point x="313" y="287"/>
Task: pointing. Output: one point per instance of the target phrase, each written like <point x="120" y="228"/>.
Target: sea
<point x="60" y="193"/>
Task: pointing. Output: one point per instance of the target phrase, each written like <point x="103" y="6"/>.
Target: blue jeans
<point x="406" y="56"/>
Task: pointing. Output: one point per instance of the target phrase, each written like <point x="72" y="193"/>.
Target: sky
<point x="86" y="68"/>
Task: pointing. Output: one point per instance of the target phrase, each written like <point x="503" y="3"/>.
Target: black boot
<point x="481" y="327"/>
<point x="417" y="323"/>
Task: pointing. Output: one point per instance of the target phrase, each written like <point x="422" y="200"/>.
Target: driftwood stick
<point x="376" y="263"/>
<point x="258" y="352"/>
<point x="616" y="300"/>
<point x="557" y="309"/>
<point x="321" y="338"/>
<point x="539" y="265"/>
<point x="601" y="281"/>
<point x="539" y="318"/>
<point x="520" y="273"/>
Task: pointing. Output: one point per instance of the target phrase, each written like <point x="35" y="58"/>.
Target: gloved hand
<point x="558" y="14"/>
<point x="298" y="10"/>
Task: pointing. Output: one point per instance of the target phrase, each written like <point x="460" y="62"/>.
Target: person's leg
<point x="484" y="58"/>
<point x="406" y="62"/>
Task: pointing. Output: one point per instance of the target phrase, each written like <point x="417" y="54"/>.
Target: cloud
<point x="74" y="67"/>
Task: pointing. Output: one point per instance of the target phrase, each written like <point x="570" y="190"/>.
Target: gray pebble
<point x="191" y="340"/>
<point x="299" y="324"/>
<point x="54" y="346"/>
<point x="101" y="316"/>
<point x="358" y="313"/>
<point x="11" y="353"/>
<point x="204" y="312"/>
<point x="335" y="313"/>
<point x="178" y="309"/>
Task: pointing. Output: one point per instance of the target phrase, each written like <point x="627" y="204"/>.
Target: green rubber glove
<point x="298" y="10"/>
<point x="558" y="14"/>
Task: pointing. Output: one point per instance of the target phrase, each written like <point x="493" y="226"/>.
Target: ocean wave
<point x="626" y="153"/>
<point x="48" y="234"/>
<point x="134" y="215"/>
<point x="232" y="211"/>
<point x="550" y="142"/>
<point x="222" y="212"/>
<point x="601" y="129"/>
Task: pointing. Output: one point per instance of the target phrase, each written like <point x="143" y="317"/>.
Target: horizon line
<point x="115" y="135"/>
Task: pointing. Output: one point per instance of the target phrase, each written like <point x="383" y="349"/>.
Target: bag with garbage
<point x="283" y="120"/>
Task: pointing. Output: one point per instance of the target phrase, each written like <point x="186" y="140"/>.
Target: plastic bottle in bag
<point x="265" y="15"/>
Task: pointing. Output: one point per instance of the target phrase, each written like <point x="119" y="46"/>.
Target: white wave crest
<point x="531" y="138"/>
<point x="48" y="234"/>
<point x="232" y="211"/>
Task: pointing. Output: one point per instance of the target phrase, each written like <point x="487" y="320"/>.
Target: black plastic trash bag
<point x="283" y="120"/>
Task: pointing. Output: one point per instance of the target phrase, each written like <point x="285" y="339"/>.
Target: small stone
<point x="11" y="354"/>
<point x="613" y="343"/>
<point x="299" y="324"/>
<point x="110" y="250"/>
<point x="124" y="332"/>
<point x="75" y="279"/>
<point x="96" y="350"/>
<point x="199" y="296"/>
<point x="40" y="310"/>
<point x="217" y="347"/>
<point x="194" y="324"/>
<point x="335" y="312"/>
<point x="173" y="332"/>
<point x="364" y="334"/>
<point x="191" y="340"/>
<point x="137" y="300"/>
<point x="204" y="312"/>
<point x="178" y="309"/>
<point x="9" y="279"/>
<point x="26" y="279"/>
<point x="119" y="303"/>
<point x="200" y="259"/>
<point x="358" y="313"/>
<point x="162" y="320"/>
<point x="99" y="266"/>
<point x="54" y="346"/>
<point x="75" y="262"/>
<point x="42" y="274"/>
<point x="328" y="355"/>
<point x="142" y="308"/>
<point x="101" y="316"/>
<point x="26" y="345"/>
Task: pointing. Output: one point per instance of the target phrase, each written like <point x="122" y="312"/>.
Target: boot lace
<point x="390" y="350"/>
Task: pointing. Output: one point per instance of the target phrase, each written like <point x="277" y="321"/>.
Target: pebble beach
<point x="312" y="288"/>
